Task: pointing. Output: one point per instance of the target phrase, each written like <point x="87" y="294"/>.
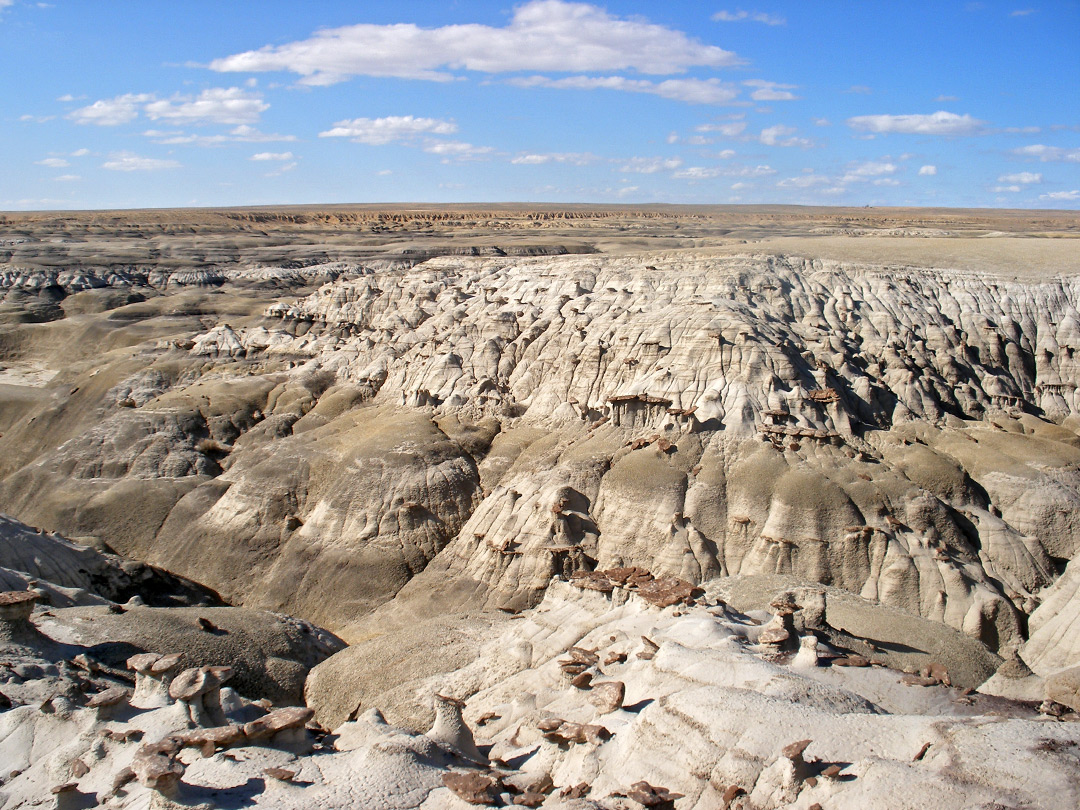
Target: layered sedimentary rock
<point x="900" y="433"/>
<point x="596" y="698"/>
<point x="614" y="498"/>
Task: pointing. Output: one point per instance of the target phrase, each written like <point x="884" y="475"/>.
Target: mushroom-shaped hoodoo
<point x="199" y="689"/>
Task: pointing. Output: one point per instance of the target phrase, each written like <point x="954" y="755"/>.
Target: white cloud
<point x="771" y="91"/>
<point x="215" y="105"/>
<point x="861" y="172"/>
<point x="650" y="165"/>
<point x="456" y="149"/>
<point x="128" y="162"/>
<point x="942" y="99"/>
<point x="806" y="180"/>
<point x="748" y="16"/>
<point x="384" y="172"/>
<point x="1061" y="195"/>
<point x="822" y="122"/>
<point x="1022" y="130"/>
<point x="80" y="153"/>
<point x="379" y="131"/>
<point x="272" y="156"/>
<point x="1022" y="177"/>
<point x="537" y="159"/>
<point x="67" y="178"/>
<point x="693" y="91"/>
<point x="1046" y="153"/>
<point x="939" y="123"/>
<point x="1022" y="12"/>
<point x="53" y="163"/>
<point x="1002" y="189"/>
<point x="859" y="89"/>
<point x="66" y="98"/>
<point x="284" y="167"/>
<point x="113" y="111"/>
<point x="542" y="35"/>
<point x="700" y="172"/>
<point x="249" y="134"/>
<point x="730" y="130"/>
<point x="928" y="170"/>
<point x="775" y="136"/>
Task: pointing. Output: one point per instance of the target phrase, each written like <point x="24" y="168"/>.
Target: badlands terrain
<point x="550" y="506"/>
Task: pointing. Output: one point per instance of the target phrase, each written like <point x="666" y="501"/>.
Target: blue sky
<point x="117" y="104"/>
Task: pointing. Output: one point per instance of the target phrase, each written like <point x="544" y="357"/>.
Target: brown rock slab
<point x="582" y="680"/>
<point x="280" y="774"/>
<point x="667" y="591"/>
<point x="794" y="751"/>
<point x="110" y="697"/>
<point x="474" y="788"/>
<point x="650" y="795"/>
<point x="278" y="720"/>
<point x="578" y="791"/>
<point x="607" y="696"/>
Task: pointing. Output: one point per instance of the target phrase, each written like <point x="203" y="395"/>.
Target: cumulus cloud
<point x="928" y="170"/>
<point x="380" y="131"/>
<point x="458" y="150"/>
<point x="748" y="16"/>
<point x="650" y="165"/>
<point x="1048" y="153"/>
<point x="777" y="136"/>
<point x="240" y="134"/>
<point x="53" y="163"/>
<point x="692" y="91"/>
<point x="938" y="123"/>
<point x="542" y="35"/>
<point x="1021" y="177"/>
<point x="538" y="159"/>
<point x="128" y="162"/>
<point x="1002" y="189"/>
<point x="111" y="112"/>
<point x="80" y="152"/>
<point x="861" y="172"/>
<point x="728" y="130"/>
<point x="272" y="156"/>
<point x="699" y="172"/>
<point x="771" y="91"/>
<point x="807" y="180"/>
<point x="216" y="105"/>
<point x="1061" y="195"/>
<point x="704" y="172"/>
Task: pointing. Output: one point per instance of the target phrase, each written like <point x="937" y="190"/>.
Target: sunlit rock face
<point x="372" y="416"/>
